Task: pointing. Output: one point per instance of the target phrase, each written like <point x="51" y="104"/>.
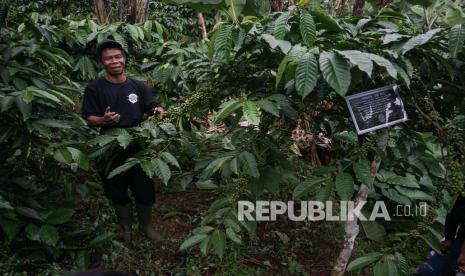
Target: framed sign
<point x="375" y="109"/>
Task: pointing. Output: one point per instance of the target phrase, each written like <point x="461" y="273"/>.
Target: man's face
<point x="113" y="61"/>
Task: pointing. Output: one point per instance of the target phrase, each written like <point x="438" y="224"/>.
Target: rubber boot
<point x="124" y="215"/>
<point x="144" y="215"/>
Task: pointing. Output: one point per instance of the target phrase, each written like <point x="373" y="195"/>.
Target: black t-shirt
<point x="130" y="99"/>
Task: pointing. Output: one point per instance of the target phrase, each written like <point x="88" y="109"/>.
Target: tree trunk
<point x="132" y="11"/>
<point x="358" y="8"/>
<point x="101" y="12"/>
<point x="384" y="3"/>
<point x="201" y="24"/>
<point x="142" y="11"/>
<point x="277" y="5"/>
<point x="340" y="7"/>
<point x="121" y="7"/>
<point x="352" y="228"/>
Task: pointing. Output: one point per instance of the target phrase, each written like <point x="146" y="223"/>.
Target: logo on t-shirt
<point x="132" y="98"/>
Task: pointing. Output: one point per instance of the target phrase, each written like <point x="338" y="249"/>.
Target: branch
<point x="352" y="228"/>
<point x="459" y="88"/>
<point x="340" y="7"/>
<point x="201" y="25"/>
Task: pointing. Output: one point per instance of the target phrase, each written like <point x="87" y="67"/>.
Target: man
<point x="452" y="256"/>
<point x="117" y="101"/>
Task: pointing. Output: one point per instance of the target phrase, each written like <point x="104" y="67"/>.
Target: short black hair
<point x="108" y="43"/>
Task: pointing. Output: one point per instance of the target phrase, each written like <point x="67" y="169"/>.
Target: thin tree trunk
<point x="142" y="11"/>
<point x="101" y="11"/>
<point x="384" y="3"/>
<point x="132" y="11"/>
<point x="340" y="7"/>
<point x="277" y="5"/>
<point x="201" y="24"/>
<point x="121" y="5"/>
<point x="352" y="228"/>
<point x="358" y="8"/>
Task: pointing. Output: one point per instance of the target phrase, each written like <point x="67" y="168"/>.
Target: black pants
<point x="116" y="189"/>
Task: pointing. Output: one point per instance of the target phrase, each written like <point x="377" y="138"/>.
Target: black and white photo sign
<point x="375" y="109"/>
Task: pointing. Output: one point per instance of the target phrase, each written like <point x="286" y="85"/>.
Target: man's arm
<point x="110" y="118"/>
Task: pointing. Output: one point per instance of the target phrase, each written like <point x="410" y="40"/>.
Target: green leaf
<point x="307" y="28"/>
<point x="148" y="25"/>
<point x="168" y="157"/>
<point x="83" y="259"/>
<point x="124" y="140"/>
<point x="251" y="112"/>
<point x="364" y="261"/>
<point x="100" y="239"/>
<point x="268" y="106"/>
<point x="414" y="194"/>
<point x="280" y="25"/>
<point x="281" y="69"/>
<point x="120" y="39"/>
<point x="59" y="216"/>
<point x="223" y="40"/>
<point x="10" y="228"/>
<point x="202" y="230"/>
<point x="373" y="230"/>
<point x="336" y="72"/>
<point x="215" y="165"/>
<point x="32" y="232"/>
<point x="419" y="40"/>
<point x="205" y="246"/>
<point x="24" y="108"/>
<point x="235" y="8"/>
<point x="27" y="96"/>
<point x="344" y="185"/>
<point x="456" y="38"/>
<point x="306" y="75"/>
<point x="28" y="212"/>
<point x="324" y="21"/>
<point x="226" y="109"/>
<point x="402" y="74"/>
<point x="233" y="236"/>
<point x="432" y="241"/>
<point x="396" y="197"/>
<point x="5" y="204"/>
<point x="133" y="32"/>
<point x="381" y="61"/>
<point x="306" y="186"/>
<point x="284" y="45"/>
<point x="192" y="240"/>
<point x="49" y="235"/>
<point x="79" y="157"/>
<point x="122" y="168"/>
<point x="218" y="241"/>
<point x="63" y="155"/>
<point x="248" y="163"/>
<point x="147" y="167"/>
<point x="363" y="173"/>
<point x="168" y="128"/>
<point x="53" y="123"/>
<point x="161" y="170"/>
<point x="360" y="59"/>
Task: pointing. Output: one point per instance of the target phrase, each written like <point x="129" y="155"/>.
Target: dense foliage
<point x="255" y="112"/>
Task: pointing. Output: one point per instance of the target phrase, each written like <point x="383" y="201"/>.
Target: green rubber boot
<point x="144" y="214"/>
<point x="124" y="215"/>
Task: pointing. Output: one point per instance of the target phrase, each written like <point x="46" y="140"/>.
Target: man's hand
<point x="445" y="246"/>
<point x="461" y="258"/>
<point x="158" y="112"/>
<point x="108" y="119"/>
